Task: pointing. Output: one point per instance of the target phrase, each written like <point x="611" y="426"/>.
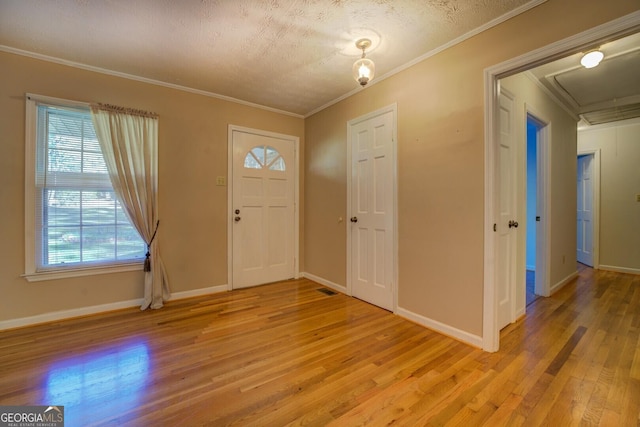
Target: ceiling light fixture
<point x="363" y="68"/>
<point x="591" y="59"/>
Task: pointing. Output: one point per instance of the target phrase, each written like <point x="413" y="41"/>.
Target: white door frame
<point x="595" y="219"/>
<point x="627" y="24"/>
<point x="394" y="186"/>
<point x="296" y="196"/>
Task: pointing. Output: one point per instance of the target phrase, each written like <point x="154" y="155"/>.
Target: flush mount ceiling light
<point x="363" y="68"/>
<point x="592" y="59"/>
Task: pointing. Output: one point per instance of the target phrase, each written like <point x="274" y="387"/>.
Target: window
<point x="77" y="221"/>
<point x="264" y="156"/>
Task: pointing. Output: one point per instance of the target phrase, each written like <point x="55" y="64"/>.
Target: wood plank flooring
<point x="288" y="354"/>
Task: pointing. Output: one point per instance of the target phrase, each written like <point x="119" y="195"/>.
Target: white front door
<point x="372" y="209"/>
<point x="507" y="222"/>
<point x="585" y="210"/>
<point x="262" y="208"/>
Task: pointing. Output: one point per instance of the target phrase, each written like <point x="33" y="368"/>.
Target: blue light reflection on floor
<point x="115" y="376"/>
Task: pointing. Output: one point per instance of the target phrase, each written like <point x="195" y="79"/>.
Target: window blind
<point x="78" y="218"/>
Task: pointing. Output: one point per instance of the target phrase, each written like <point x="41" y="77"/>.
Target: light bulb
<point x="363" y="71"/>
<point x="591" y="59"/>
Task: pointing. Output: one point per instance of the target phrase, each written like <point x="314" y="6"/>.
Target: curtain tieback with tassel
<point x="147" y="260"/>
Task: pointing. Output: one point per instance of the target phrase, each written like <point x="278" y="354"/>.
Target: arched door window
<point x="264" y="157"/>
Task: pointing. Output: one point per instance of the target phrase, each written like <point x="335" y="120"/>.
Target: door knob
<point x="354" y="219"/>
<point x="237" y="211"/>
<point x="236" y="219"/>
<point x="513" y="224"/>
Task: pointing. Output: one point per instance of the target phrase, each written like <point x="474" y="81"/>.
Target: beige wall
<point x="193" y="210"/>
<point x="440" y="163"/>
<point x="619" y="145"/>
<point x="561" y="201"/>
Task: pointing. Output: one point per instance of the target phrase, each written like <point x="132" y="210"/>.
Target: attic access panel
<point x="615" y="78"/>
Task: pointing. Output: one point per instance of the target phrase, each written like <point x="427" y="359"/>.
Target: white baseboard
<point x="450" y="331"/>
<point x="325" y="282"/>
<point x="199" y="292"/>
<point x="555" y="288"/>
<point x="102" y="308"/>
<point x="619" y="269"/>
<point x="67" y="314"/>
<point x="441" y="328"/>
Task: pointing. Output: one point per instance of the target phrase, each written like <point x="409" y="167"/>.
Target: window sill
<point x="79" y="272"/>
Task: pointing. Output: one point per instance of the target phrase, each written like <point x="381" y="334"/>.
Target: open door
<point x="585" y="193"/>
<point x="507" y="225"/>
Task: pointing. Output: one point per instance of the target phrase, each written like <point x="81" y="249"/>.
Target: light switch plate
<point x="221" y="180"/>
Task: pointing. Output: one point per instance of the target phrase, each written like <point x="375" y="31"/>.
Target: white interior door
<point x="507" y="222"/>
<point x="585" y="210"/>
<point x="372" y="210"/>
<point x="262" y="208"/>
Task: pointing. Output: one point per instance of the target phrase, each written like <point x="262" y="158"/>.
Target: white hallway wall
<point x="619" y="145"/>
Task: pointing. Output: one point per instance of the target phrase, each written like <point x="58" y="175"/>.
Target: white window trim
<point x="31" y="274"/>
<point x="84" y="271"/>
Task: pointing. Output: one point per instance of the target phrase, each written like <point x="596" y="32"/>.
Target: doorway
<point x="492" y="75"/>
<point x="537" y="170"/>
<point x="584" y="215"/>
<point x="263" y="235"/>
<point x="532" y="176"/>
<point x="588" y="208"/>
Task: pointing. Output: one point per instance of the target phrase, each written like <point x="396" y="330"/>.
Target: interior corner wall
<point x="192" y="132"/>
<point x="619" y="145"/>
<point x="440" y="165"/>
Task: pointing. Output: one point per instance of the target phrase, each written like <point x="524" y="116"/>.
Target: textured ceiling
<point x="291" y="55"/>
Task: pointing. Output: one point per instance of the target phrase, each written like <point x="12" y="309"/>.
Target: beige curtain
<point x="129" y="142"/>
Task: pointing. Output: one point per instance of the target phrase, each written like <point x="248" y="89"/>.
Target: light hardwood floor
<point x="288" y="354"/>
